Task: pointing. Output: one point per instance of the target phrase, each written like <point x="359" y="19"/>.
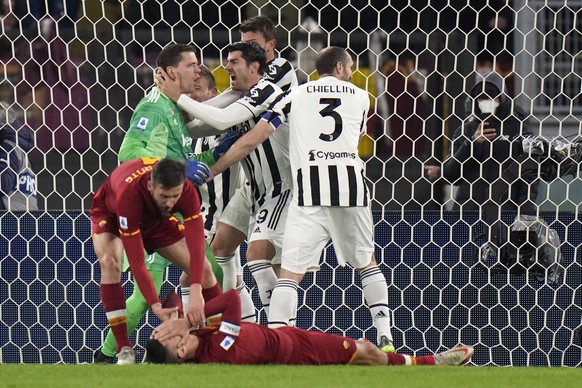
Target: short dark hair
<point x="251" y="52"/>
<point x="261" y="24"/>
<point x="171" y="55"/>
<point x="207" y="74"/>
<point x="168" y="173"/>
<point x="329" y="57"/>
<point x="156" y="353"/>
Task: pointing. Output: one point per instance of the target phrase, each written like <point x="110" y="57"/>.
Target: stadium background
<point x="76" y="81"/>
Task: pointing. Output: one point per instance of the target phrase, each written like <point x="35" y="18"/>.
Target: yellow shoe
<point x="386" y="345"/>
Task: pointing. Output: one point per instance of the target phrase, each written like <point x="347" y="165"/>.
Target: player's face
<point x="347" y="71"/>
<point x="201" y="90"/>
<point x="165" y="199"/>
<point x="182" y="353"/>
<point x="189" y="71"/>
<point x="267" y="45"/>
<point x="242" y="75"/>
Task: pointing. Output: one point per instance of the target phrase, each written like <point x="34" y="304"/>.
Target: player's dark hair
<point x="168" y="173"/>
<point x="208" y="76"/>
<point x="261" y="24"/>
<point x="329" y="57"/>
<point x="156" y="353"/>
<point x="251" y="52"/>
<point x="171" y="55"/>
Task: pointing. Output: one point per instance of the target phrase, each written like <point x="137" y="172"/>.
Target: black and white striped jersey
<point x="281" y="72"/>
<point x="216" y="194"/>
<point x="326" y="119"/>
<point x="267" y="167"/>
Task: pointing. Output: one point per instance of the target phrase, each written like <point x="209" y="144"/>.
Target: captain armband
<point x="272" y="118"/>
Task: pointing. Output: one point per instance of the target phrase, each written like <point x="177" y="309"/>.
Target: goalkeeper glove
<point x="224" y="143"/>
<point x="197" y="172"/>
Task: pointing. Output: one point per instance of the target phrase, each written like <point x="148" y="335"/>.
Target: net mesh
<point x="73" y="72"/>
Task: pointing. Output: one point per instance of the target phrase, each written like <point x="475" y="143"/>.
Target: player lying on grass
<point x="231" y="341"/>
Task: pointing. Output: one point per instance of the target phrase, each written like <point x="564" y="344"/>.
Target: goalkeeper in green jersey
<point x="158" y="129"/>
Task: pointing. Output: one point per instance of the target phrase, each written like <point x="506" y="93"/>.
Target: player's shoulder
<point x="281" y="72"/>
<point x="281" y="64"/>
<point x="267" y="84"/>
<point x="154" y="100"/>
<point x="261" y="91"/>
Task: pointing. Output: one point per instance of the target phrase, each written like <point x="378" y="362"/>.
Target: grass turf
<point x="142" y="375"/>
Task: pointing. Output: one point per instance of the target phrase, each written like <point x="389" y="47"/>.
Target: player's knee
<point x="220" y="248"/>
<point x="110" y="264"/>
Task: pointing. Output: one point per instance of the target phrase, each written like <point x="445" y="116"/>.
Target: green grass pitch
<point x="215" y="376"/>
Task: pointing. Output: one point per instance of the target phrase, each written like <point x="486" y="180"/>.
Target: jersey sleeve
<point x="128" y="223"/>
<point x="219" y="118"/>
<point x="278" y="111"/>
<point x="228" y="305"/>
<point x="147" y="135"/>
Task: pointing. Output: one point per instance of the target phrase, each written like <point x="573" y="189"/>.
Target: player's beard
<point x="164" y="210"/>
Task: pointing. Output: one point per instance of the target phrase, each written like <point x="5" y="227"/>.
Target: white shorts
<point x="270" y="221"/>
<point x="237" y="212"/>
<point x="309" y="228"/>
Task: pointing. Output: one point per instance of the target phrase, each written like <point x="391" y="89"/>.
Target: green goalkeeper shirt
<point x="157" y="130"/>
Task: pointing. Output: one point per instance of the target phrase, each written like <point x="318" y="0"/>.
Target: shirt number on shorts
<point x="262" y="216"/>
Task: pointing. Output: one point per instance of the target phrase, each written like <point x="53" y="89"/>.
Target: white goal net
<point x="73" y="71"/>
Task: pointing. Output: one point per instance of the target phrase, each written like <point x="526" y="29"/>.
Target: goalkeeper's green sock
<point x="136" y="307"/>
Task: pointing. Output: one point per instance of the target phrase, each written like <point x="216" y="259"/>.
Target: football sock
<point x="401" y="359"/>
<point x="229" y="271"/>
<point x="211" y="292"/>
<point x="265" y="279"/>
<point x="185" y="293"/>
<point x="136" y="307"/>
<point x="376" y="295"/>
<point x="113" y="301"/>
<point x="284" y="304"/>
<point x="248" y="312"/>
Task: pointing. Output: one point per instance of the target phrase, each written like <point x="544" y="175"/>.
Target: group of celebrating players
<point x="202" y="172"/>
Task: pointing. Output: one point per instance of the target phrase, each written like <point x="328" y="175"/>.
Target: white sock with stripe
<point x="283" y="311"/>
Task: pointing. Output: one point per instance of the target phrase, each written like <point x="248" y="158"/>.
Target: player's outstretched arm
<point x="219" y="118"/>
<point x="244" y="146"/>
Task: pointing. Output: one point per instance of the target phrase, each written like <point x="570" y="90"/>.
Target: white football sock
<point x="376" y="295"/>
<point x="247" y="307"/>
<point x="185" y="291"/>
<point x="229" y="271"/>
<point x="283" y="308"/>
<point x="265" y="279"/>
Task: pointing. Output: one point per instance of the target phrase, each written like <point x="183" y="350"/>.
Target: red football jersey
<point x="256" y="344"/>
<point x="123" y="205"/>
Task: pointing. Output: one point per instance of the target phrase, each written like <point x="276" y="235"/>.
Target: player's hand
<point x="169" y="329"/>
<point x="163" y="313"/>
<point x="483" y="133"/>
<point x="196" y="306"/>
<point x="197" y="172"/>
<point x="225" y="142"/>
<point x="168" y="85"/>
